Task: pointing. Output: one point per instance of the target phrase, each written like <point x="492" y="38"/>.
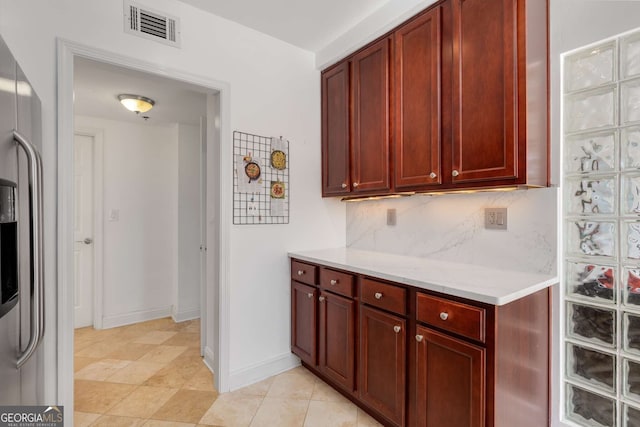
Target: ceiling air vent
<point x="151" y="24"/>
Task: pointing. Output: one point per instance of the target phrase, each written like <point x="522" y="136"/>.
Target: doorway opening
<point x="205" y="217"/>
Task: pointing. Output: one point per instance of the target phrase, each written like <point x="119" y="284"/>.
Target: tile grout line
<point x="96" y="337"/>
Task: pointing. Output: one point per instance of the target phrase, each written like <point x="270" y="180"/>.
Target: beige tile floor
<point x="151" y="374"/>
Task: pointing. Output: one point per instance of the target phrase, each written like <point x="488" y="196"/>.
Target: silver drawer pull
<point x="333" y="282"/>
<point x="378" y="295"/>
<point x="419" y="338"/>
<point x="433" y="175"/>
<point x="300" y="272"/>
<point x="444" y="316"/>
<point x="310" y="295"/>
<point x="321" y="299"/>
<point x="396" y="329"/>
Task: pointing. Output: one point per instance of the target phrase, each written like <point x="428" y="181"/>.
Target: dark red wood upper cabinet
<point x="337" y="339"/>
<point x="370" y="119"/>
<point x="304" y="317"/>
<point x="486" y="137"/>
<point x="335" y="130"/>
<point x="417" y="68"/>
<point x="455" y="98"/>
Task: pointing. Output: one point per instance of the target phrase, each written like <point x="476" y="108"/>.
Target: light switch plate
<point x="495" y="218"/>
<point x="391" y="217"/>
<point x="114" y="215"/>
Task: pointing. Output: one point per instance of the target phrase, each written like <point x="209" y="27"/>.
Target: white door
<point x="83" y="229"/>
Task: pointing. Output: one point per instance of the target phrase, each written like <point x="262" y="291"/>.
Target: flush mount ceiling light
<point x="136" y="103"/>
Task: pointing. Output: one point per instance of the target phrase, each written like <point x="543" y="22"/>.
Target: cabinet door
<point x="335" y="130"/>
<point x="382" y="368"/>
<point x="337" y="339"/>
<point x="417" y="102"/>
<point x="484" y="63"/>
<point x="450" y="385"/>
<point x="370" y="121"/>
<point x="304" y="317"/>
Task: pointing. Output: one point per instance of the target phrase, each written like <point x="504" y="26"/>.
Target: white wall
<point x="451" y="228"/>
<point x="141" y="183"/>
<point x="379" y="22"/>
<point x="187" y="303"/>
<point x="275" y="90"/>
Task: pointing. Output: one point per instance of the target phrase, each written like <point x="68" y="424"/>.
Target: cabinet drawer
<point x="383" y="295"/>
<point x="335" y="281"/>
<point x="303" y="272"/>
<point x="459" y="318"/>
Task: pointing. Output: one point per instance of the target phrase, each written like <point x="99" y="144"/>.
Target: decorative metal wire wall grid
<point x="260" y="179"/>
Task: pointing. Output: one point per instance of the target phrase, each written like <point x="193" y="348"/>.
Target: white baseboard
<point x="185" y="315"/>
<point x="260" y="371"/>
<point x="135" y="317"/>
<point x="209" y="359"/>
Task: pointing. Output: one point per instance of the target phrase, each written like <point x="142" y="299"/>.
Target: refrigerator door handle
<point x="37" y="261"/>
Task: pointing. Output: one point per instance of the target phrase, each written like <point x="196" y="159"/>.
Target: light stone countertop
<point x="477" y="283"/>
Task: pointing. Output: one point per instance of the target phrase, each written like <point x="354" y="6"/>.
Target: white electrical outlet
<point x="495" y="218"/>
<point x="252" y="208"/>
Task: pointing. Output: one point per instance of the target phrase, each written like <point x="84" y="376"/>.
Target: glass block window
<point x="601" y="233"/>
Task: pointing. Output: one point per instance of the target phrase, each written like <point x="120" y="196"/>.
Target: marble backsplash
<point x="451" y="228"/>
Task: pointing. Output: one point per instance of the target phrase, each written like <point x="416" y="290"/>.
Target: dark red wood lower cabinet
<point x="415" y="358"/>
<point x="304" y="316"/>
<point x="337" y="339"/>
<point x="450" y="383"/>
<point x="382" y="368"/>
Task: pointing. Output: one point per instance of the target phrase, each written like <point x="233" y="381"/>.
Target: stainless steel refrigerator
<point x="21" y="250"/>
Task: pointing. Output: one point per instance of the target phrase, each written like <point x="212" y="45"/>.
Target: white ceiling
<point x="309" y="24"/>
<point x="97" y="86"/>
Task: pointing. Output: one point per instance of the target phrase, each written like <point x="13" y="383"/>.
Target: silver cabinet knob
<point x="310" y="295"/>
<point x="355" y="184"/>
<point x="396" y="329"/>
<point x="300" y="272"/>
<point x="333" y="282"/>
<point x="419" y="338"/>
<point x="378" y="295"/>
<point x="433" y="175"/>
<point x="455" y="173"/>
<point x="88" y="241"/>
<point x="444" y="316"/>
<point x="344" y="185"/>
<point x="321" y="299"/>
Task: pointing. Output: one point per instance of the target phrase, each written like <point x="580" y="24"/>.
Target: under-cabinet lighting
<point x="440" y="193"/>
<point x="366" y="198"/>
<point x="481" y="190"/>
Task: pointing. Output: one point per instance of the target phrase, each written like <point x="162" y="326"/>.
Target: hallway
<point x="156" y="365"/>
